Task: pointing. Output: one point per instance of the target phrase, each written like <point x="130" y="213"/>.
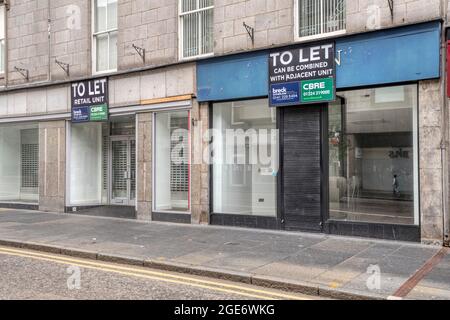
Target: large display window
<point x="171" y="162"/>
<point x="87" y="164"/>
<point x="245" y="158"/>
<point x="373" y="156"/>
<point x="19" y="163"/>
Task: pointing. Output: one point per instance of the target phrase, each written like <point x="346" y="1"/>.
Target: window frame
<point x="181" y="15"/>
<point x="297" y="35"/>
<point x="94" y="36"/>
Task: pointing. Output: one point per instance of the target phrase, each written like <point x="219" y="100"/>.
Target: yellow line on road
<point x="152" y="275"/>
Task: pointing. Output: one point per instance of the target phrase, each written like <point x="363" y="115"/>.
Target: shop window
<point x="19" y="163"/>
<point x="316" y="18"/>
<point x="373" y="165"/>
<point x="105" y="35"/>
<point x="87" y="160"/>
<point x="171" y="168"/>
<point x="196" y="24"/>
<point x="245" y="158"/>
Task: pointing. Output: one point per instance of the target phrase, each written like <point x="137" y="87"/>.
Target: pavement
<point x="313" y="264"/>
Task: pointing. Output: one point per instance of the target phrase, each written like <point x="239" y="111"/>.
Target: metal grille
<point x="179" y="172"/>
<point x="197" y="24"/>
<point x="105" y="162"/>
<point x="320" y="16"/>
<point x="133" y="168"/>
<point x="29" y="165"/>
<point x="119" y="165"/>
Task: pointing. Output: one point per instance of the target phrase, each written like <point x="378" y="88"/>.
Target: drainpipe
<point x="445" y="124"/>
<point x="49" y="28"/>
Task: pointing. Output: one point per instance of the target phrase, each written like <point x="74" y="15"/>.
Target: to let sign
<point x="303" y="75"/>
<point x="90" y="100"/>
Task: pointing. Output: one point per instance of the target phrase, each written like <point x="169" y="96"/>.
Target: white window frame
<point x="3" y="7"/>
<point x="315" y="36"/>
<point x="93" y="40"/>
<point x="180" y="31"/>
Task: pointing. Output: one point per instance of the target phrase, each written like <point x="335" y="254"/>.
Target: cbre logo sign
<point x="302" y="75"/>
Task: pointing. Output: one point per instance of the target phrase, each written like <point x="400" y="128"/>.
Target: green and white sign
<point x="99" y="112"/>
<point x="317" y="90"/>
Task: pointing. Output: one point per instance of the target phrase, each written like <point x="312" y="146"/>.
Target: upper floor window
<point x="319" y="17"/>
<point x="105" y="35"/>
<point x="196" y="28"/>
<point x="2" y="39"/>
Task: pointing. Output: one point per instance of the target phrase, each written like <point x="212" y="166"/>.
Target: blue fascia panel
<point x="399" y="55"/>
<point x="234" y="77"/>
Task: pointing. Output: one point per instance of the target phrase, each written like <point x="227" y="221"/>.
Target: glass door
<point x="123" y="171"/>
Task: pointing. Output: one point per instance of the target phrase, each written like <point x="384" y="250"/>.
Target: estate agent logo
<point x="90" y="100"/>
<point x="303" y="75"/>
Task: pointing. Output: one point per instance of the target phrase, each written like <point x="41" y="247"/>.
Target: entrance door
<point x="301" y="168"/>
<point x="123" y="171"/>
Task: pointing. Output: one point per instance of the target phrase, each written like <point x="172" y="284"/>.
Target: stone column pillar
<point x="144" y="166"/>
<point x="199" y="168"/>
<point x="52" y="166"/>
<point x="430" y="161"/>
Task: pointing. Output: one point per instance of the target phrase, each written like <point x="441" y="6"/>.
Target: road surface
<point x="26" y="274"/>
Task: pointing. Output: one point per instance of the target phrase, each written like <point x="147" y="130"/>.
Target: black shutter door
<point x="301" y="168"/>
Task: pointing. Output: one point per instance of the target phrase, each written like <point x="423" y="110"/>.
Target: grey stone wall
<point x="70" y="38"/>
<point x="144" y="166"/>
<point x="430" y="163"/>
<point x="27" y="40"/>
<point x="149" y="24"/>
<point x="364" y="15"/>
<point x="272" y="20"/>
<point x="199" y="168"/>
<point x="52" y="166"/>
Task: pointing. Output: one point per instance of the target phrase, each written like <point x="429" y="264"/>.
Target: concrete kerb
<point x="230" y="275"/>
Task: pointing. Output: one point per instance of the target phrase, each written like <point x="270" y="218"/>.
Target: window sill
<point x="320" y="36"/>
<point x="207" y="55"/>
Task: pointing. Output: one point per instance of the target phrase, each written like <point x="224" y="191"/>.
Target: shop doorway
<point x="301" y="171"/>
<point x="123" y="171"/>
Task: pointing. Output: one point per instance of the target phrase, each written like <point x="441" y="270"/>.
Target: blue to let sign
<point x="81" y="114"/>
<point x="285" y="93"/>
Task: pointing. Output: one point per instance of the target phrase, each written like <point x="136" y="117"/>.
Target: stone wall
<point x="430" y="163"/>
<point x="199" y="168"/>
<point x="52" y="166"/>
<point x="144" y="166"/>
<point x="365" y="15"/>
<point x="27" y="40"/>
<point x="70" y="38"/>
<point x="271" y="19"/>
<point x="149" y="24"/>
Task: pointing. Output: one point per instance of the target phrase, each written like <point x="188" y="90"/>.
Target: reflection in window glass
<point x="372" y="155"/>
<point x="19" y="163"/>
<point x="171" y="151"/>
<point x="245" y="158"/>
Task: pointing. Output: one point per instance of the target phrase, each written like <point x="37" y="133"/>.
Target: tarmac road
<point x="26" y="274"/>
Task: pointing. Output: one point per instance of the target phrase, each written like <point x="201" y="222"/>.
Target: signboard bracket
<point x="64" y="66"/>
<point x="391" y="8"/>
<point x="140" y="51"/>
<point x="250" y="31"/>
<point x="24" y="72"/>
